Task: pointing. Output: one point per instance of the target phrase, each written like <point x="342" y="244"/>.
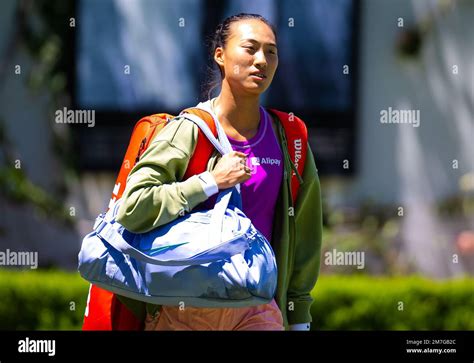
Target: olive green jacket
<point x="155" y="195"/>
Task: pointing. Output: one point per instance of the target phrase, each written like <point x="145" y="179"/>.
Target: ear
<point x="219" y="56"/>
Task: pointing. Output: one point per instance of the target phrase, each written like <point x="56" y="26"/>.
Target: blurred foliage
<point x="16" y="187"/>
<point x="411" y="38"/>
<point x="371" y="303"/>
<point x="409" y="43"/>
<point x="46" y="35"/>
<point x="42" y="28"/>
<point x="461" y="205"/>
<point x="40" y="300"/>
<point x="371" y="228"/>
<point x="375" y="229"/>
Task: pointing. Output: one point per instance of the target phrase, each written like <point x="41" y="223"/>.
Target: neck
<point x="240" y="112"/>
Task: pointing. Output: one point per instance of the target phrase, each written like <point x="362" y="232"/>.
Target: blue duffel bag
<point x="209" y="258"/>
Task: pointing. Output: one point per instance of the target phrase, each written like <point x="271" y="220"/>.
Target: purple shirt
<point x="260" y="192"/>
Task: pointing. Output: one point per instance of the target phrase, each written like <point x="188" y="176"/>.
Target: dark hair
<point x="219" y="39"/>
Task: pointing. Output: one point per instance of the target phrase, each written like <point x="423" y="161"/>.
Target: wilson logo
<point x="298" y="147"/>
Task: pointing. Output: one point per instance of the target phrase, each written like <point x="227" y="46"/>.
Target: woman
<point x="245" y="50"/>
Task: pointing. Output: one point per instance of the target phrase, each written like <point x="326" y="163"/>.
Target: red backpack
<point x="104" y="310"/>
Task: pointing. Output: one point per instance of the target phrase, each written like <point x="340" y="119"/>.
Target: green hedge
<point x="43" y="300"/>
<point x="400" y="303"/>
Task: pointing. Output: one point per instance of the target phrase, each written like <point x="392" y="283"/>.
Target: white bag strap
<point x="224" y="196"/>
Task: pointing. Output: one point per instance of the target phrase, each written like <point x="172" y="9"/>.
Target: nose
<point x="260" y="60"/>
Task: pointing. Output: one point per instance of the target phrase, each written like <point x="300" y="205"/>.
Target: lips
<point x="259" y="74"/>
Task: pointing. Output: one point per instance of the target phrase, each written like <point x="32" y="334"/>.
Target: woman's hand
<point x="231" y="169"/>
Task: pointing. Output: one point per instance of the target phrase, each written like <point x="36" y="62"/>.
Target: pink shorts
<point x="260" y="317"/>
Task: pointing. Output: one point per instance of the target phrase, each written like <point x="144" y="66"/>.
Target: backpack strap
<point x="143" y="132"/>
<point x="204" y="147"/>
<point x="296" y="135"/>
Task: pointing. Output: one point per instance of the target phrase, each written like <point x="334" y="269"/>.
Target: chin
<point x="256" y="88"/>
<point x="250" y="88"/>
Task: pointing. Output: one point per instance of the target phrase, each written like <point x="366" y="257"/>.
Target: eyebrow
<point x="255" y="41"/>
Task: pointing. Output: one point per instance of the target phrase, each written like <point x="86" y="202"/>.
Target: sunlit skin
<point x="250" y="48"/>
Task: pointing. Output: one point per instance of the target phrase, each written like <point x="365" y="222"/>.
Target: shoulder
<point x="180" y="133"/>
<point x="290" y="122"/>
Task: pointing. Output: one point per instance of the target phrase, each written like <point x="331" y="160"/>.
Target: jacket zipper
<point x="292" y="223"/>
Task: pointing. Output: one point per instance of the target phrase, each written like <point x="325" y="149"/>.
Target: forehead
<point x="251" y="29"/>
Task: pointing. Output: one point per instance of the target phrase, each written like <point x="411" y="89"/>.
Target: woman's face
<point x="249" y="58"/>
